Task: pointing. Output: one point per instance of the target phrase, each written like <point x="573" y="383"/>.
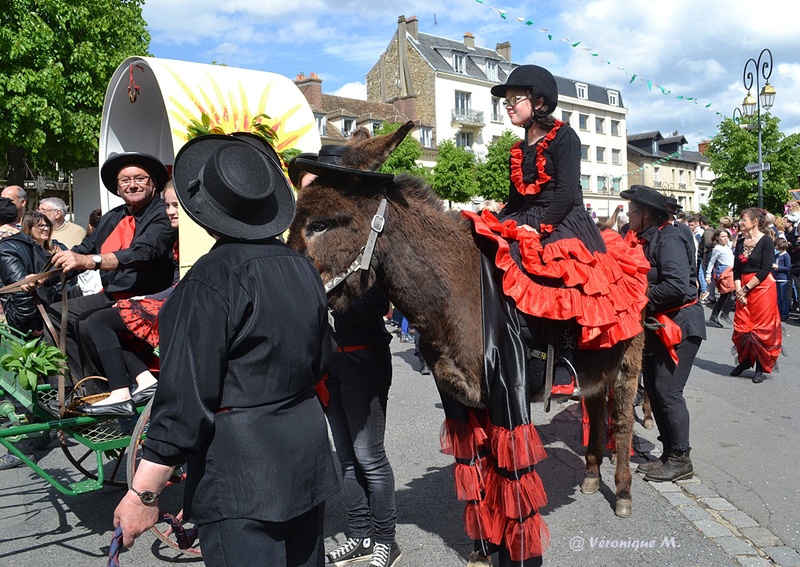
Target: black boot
<point x="677" y="467"/>
<point x="715" y="322"/>
<point x="423" y="367"/>
<point x="741" y="368"/>
<point x="758" y="377"/>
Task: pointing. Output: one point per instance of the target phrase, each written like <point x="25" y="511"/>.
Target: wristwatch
<point x="97" y="259"/>
<point x="146" y="496"/>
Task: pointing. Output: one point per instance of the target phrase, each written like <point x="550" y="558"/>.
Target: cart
<point x="104" y="450"/>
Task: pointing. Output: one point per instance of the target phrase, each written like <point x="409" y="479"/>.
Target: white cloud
<point x="352" y="90"/>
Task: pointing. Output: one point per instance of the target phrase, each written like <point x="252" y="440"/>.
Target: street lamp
<point x="766" y="99"/>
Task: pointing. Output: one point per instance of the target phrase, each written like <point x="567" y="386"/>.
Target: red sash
<point x="121" y="237"/>
<point x="670" y="334"/>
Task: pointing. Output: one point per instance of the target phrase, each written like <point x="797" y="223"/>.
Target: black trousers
<point x="664" y="382"/>
<point x="237" y="542"/>
<point x="100" y="338"/>
<point x="78" y="310"/>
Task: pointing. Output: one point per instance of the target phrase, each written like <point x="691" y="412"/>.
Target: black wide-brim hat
<point x="329" y="161"/>
<point x="647" y="196"/>
<point x="232" y="187"/>
<point x="115" y="162"/>
<point x="537" y="79"/>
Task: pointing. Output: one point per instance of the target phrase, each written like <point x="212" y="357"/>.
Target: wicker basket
<point x="77" y="397"/>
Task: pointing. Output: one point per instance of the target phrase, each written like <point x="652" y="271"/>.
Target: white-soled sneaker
<point x="385" y="555"/>
<point x="354" y="549"/>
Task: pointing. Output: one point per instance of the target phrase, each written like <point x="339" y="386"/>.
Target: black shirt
<point x="759" y="262"/>
<point x="147" y="265"/>
<point x="244" y="339"/>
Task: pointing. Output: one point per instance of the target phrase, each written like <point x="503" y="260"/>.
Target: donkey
<point x="427" y="263"/>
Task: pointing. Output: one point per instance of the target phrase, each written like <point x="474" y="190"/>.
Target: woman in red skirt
<point x="757" y="320"/>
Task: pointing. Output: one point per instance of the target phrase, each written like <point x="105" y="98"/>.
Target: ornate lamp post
<point x="766" y="99"/>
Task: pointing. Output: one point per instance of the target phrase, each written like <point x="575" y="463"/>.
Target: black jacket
<point x="21" y="256"/>
<point x="147" y="265"/>
<point x="244" y="339"/>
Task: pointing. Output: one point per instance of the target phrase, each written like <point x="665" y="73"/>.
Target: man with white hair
<point x="67" y="233"/>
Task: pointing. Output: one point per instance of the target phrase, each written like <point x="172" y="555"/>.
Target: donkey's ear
<point x="369" y="154"/>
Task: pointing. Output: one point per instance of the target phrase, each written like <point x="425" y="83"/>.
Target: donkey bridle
<point x="362" y="261"/>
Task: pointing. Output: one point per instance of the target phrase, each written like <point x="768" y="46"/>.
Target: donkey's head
<point x="337" y="208"/>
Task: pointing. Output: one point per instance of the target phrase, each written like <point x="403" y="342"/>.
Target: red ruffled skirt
<point x="757" y="325"/>
<point x="141" y="318"/>
<point x="605" y="292"/>
<point x="495" y="475"/>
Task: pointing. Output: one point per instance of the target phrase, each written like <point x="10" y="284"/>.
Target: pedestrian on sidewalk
<point x="671" y="349"/>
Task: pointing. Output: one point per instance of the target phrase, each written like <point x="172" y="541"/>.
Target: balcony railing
<point x="468" y="117"/>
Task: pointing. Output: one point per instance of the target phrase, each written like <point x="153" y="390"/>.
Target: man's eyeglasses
<point x="513" y="100"/>
<point x="139" y="180"/>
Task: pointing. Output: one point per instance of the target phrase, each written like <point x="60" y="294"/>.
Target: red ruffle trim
<point x="498" y="509"/>
<point x="604" y="293"/>
<point x="464" y="441"/>
<point x="516" y="160"/>
<point x="518" y="448"/>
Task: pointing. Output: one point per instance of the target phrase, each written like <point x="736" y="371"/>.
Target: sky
<point x="678" y="65"/>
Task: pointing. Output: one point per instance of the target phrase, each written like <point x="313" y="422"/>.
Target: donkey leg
<point x="623" y="417"/>
<point x="595" y="406"/>
<point x="647" y="412"/>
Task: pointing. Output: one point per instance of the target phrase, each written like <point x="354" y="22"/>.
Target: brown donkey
<point x="427" y="263"/>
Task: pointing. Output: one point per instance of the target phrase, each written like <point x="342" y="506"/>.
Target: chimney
<point x="504" y="50"/>
<point x="469" y="40"/>
<point x="412" y="26"/>
<point x="311" y="87"/>
<point x="702" y="146"/>
<point x="407" y="105"/>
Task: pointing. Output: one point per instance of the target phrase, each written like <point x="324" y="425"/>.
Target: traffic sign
<point x="755" y="167"/>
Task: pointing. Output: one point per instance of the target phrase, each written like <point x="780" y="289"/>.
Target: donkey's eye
<point x="318" y="226"/>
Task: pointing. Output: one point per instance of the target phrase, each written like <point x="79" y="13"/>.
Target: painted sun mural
<point x="229" y="110"/>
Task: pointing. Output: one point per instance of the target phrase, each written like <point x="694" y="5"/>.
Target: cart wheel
<point x="83" y="458"/>
<point x="172" y="496"/>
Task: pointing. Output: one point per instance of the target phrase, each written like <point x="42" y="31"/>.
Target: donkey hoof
<point x="478" y="560"/>
<point x="623" y="508"/>
<point x="591" y="484"/>
<point x="649" y="423"/>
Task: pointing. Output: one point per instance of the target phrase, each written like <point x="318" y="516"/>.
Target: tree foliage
<point x="454" y="176"/>
<point x="56" y="59"/>
<point x="735" y="146"/>
<point x="404" y="157"/>
<point x="493" y="174"/>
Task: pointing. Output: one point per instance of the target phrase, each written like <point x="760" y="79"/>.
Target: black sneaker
<point x="385" y="555"/>
<point x="354" y="549"/>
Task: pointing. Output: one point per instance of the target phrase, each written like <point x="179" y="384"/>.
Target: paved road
<point x="739" y="510"/>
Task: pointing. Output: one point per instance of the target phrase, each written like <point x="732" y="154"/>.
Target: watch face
<point x="147" y="496"/>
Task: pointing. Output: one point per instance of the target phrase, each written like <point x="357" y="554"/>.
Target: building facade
<point x="448" y="83"/>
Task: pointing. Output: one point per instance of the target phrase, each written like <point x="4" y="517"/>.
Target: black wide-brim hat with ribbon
<point x="329" y="161"/>
<point x="115" y="162"/>
<point x="232" y="187"/>
<point x="648" y="197"/>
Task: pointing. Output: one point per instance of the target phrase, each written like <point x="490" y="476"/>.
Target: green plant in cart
<point x="32" y="360"/>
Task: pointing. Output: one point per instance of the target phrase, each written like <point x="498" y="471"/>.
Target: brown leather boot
<point x="651" y="465"/>
<point x="677" y="467"/>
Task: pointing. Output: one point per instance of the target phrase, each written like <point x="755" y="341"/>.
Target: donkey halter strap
<point x="364" y="257"/>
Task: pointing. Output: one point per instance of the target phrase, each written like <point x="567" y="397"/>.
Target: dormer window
<point x="491" y="70"/>
<point x="459" y="63"/>
<point x="348" y="125"/>
<point x="582" y="91"/>
<point x="613" y="98"/>
<point x="320" y="118"/>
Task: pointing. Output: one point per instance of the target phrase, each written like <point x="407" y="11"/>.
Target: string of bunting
<point x="633" y="77"/>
